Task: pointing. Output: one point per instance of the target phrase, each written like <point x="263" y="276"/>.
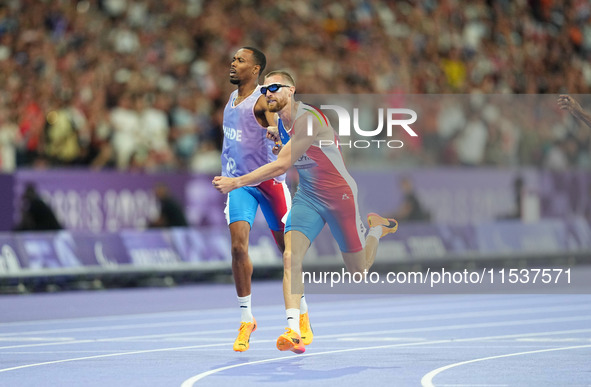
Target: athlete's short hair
<point x="284" y="74"/>
<point x="259" y="57"/>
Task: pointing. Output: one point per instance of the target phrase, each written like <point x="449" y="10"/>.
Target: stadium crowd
<point x="141" y="84"/>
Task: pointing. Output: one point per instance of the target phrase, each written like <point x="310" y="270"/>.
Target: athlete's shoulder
<point x="304" y="110"/>
<point x="311" y="118"/>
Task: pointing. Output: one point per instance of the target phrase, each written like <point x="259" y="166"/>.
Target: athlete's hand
<point x="277" y="148"/>
<point x="224" y="184"/>
<point x="566" y="102"/>
<point x="273" y="133"/>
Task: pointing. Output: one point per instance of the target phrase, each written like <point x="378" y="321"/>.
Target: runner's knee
<point x="239" y="250"/>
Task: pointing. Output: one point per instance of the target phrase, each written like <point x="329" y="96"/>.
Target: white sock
<point x="375" y="232"/>
<point x="293" y="319"/>
<point x="303" y="305"/>
<point x="245" y="309"/>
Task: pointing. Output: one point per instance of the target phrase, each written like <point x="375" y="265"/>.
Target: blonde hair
<point x="284" y="74"/>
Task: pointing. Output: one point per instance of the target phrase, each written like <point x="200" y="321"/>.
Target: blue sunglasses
<point x="272" y="88"/>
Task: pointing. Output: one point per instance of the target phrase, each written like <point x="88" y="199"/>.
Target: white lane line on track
<point x="187" y="313"/>
<point x="473" y="385"/>
<point x="427" y="380"/>
<point x="381" y="339"/>
<point x="168" y="315"/>
<point x="275" y="359"/>
<point x="557" y="340"/>
<point x="466" y="326"/>
<point x="33" y="338"/>
<point x="427" y="317"/>
<point x="108" y="355"/>
<point x="125" y="326"/>
<point x="192" y="380"/>
<point x="400" y="303"/>
<point x="339" y="335"/>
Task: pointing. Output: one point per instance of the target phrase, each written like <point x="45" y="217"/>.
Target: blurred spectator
<point x="471" y="140"/>
<point x="31" y="120"/>
<point x="126" y="123"/>
<point x="455" y="69"/>
<point x="36" y="215"/>
<point x="185" y="129"/>
<point x="562" y="154"/>
<point x="154" y="121"/>
<point x="155" y="131"/>
<point x="10" y="141"/>
<point x="64" y="134"/>
<point x="518" y="193"/>
<point x="207" y="159"/>
<point x="103" y="51"/>
<point x="171" y="213"/>
<point x="411" y="208"/>
<point x="100" y="153"/>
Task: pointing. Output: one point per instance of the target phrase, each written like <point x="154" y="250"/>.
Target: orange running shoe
<point x="389" y="226"/>
<point x="290" y="341"/>
<point x="306" y="329"/>
<point x="242" y="341"/>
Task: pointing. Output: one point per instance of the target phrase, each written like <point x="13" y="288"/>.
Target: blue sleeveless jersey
<point x="246" y="146"/>
<point x="282" y="132"/>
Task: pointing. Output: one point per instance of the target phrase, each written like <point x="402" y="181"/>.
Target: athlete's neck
<point x="286" y="113"/>
<point x="244" y="90"/>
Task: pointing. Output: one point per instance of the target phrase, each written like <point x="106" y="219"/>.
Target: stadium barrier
<point x="106" y="213"/>
<point x="30" y="258"/>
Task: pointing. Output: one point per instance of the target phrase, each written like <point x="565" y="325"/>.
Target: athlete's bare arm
<point x="566" y="102"/>
<point x="292" y="151"/>
<point x="261" y="111"/>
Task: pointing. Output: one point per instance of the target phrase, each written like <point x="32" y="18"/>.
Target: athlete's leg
<point x="240" y="212"/>
<point x="302" y="226"/>
<point x="348" y="231"/>
<point x="362" y="260"/>
<point x="241" y="264"/>
<point x="355" y="262"/>
<point x="296" y="245"/>
<point x="378" y="228"/>
<point x="242" y="272"/>
<point x="275" y="202"/>
<point x="279" y="239"/>
<point x="371" y="249"/>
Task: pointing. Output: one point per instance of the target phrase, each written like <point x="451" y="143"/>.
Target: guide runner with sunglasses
<point x="245" y="148"/>
<point x="326" y="194"/>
